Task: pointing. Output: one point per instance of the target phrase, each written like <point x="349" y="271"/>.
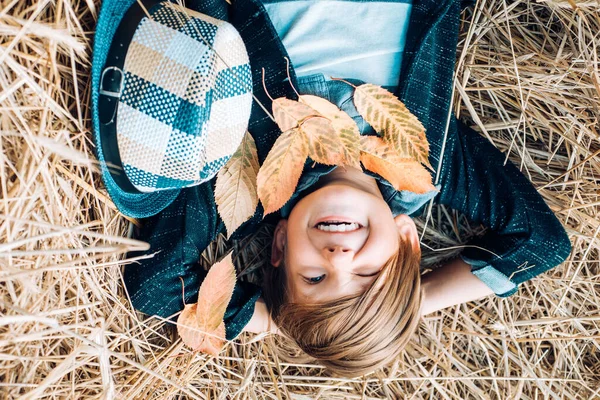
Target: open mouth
<point x="338" y="226"/>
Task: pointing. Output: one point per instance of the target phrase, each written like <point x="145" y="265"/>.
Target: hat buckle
<point x="108" y="89"/>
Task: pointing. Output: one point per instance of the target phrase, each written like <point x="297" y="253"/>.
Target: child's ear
<point x="278" y="245"/>
<point x="408" y="229"/>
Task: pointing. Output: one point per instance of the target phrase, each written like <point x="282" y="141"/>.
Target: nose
<point x="338" y="254"/>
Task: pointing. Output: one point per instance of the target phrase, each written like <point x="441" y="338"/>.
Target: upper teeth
<point x="338" y="226"/>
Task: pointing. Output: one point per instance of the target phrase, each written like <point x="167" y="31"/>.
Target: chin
<point x="342" y="194"/>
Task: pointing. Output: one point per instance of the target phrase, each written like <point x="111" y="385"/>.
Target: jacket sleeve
<point x="178" y="235"/>
<point x="524" y="237"/>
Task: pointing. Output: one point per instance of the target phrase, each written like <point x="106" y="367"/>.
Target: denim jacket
<point x="524" y="238"/>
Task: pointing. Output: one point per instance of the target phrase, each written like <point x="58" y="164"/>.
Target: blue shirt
<point x="343" y="38"/>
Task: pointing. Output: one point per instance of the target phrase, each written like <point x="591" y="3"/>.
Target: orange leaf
<point x="403" y="173"/>
<point x="324" y="145"/>
<point x="187" y="327"/>
<point x="289" y="113"/>
<point x="193" y="336"/>
<point x="214" y="341"/>
<point x="235" y="190"/>
<point x="215" y="293"/>
<point x="390" y="117"/>
<point x="343" y="125"/>
<point x="278" y="176"/>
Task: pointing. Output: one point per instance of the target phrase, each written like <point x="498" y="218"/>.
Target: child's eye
<point x="314" y="280"/>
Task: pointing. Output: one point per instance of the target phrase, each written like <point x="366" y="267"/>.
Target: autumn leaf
<point x="193" y="336"/>
<point x="201" y="325"/>
<point x="213" y="344"/>
<point x="343" y="125"/>
<point x="289" y="113"/>
<point x="187" y="327"/>
<point x="324" y="145"/>
<point x="235" y="190"/>
<point x="278" y="176"/>
<point x="390" y="118"/>
<point x="215" y="293"/>
<point x="402" y="172"/>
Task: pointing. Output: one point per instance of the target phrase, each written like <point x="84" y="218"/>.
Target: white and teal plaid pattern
<point x="182" y="112"/>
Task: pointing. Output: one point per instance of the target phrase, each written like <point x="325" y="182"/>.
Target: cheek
<point x="298" y="240"/>
<point x="292" y="280"/>
<point x="384" y="218"/>
<point x="385" y="239"/>
<point x="296" y="248"/>
<point x="300" y="212"/>
<point x="296" y="237"/>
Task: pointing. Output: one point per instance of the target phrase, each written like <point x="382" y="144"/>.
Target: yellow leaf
<point x="235" y="190"/>
<point x="390" y="118"/>
<point x="215" y="293"/>
<point x="289" y="113"/>
<point x="403" y="173"/>
<point x="324" y="146"/>
<point x="193" y="336"/>
<point x="343" y="125"/>
<point x="279" y="174"/>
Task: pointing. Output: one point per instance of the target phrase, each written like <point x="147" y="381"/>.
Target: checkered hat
<point x="174" y="100"/>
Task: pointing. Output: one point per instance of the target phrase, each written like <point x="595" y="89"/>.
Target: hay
<point x="527" y="78"/>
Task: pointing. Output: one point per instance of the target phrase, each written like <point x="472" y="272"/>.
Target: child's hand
<point x="261" y="320"/>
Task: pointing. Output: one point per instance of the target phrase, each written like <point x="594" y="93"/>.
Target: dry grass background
<point x="527" y="78"/>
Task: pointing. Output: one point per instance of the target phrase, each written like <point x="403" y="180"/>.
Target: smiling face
<point x="338" y="237"/>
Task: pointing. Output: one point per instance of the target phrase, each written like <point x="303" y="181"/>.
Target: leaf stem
<point x="287" y="70"/>
<point x="264" y="85"/>
<point x="343" y="80"/>
<point x="182" y="291"/>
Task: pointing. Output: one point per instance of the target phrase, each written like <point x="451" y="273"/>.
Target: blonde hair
<point x="353" y="335"/>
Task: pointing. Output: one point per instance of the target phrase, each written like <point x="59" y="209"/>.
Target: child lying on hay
<point x="173" y="95"/>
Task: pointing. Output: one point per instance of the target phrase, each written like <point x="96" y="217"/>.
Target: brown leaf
<point x="390" y="117"/>
<point x="215" y="293"/>
<point x="193" y="336"/>
<point x="235" y="190"/>
<point x="279" y="174"/>
<point x="289" y="113"/>
<point x="324" y="145"/>
<point x="343" y="125"/>
<point x="187" y="327"/>
<point x="214" y="341"/>
<point x="402" y="172"/>
<point x="201" y="325"/>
